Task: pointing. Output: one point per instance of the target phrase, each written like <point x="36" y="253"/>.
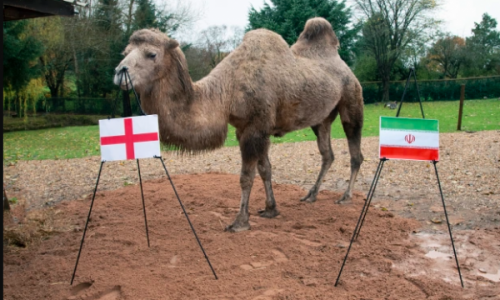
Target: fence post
<point x="460" y="109"/>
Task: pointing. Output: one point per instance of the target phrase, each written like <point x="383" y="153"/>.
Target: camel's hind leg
<point x="264" y="167"/>
<point x="352" y="121"/>
<point x="322" y="132"/>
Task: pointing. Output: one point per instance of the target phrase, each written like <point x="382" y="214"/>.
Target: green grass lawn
<point x="75" y="142"/>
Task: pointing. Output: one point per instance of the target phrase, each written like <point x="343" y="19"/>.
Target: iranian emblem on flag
<point x="411" y="139"/>
<point x="129" y="138"/>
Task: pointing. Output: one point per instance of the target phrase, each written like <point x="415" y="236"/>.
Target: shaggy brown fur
<point x="262" y="88"/>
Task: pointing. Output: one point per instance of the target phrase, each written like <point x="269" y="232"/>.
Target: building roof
<point x="26" y="9"/>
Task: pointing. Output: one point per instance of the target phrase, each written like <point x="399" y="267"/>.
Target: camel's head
<point x="149" y="56"/>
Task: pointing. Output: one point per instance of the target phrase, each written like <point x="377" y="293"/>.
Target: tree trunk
<point x="385" y="89"/>
<point x="18" y="105"/>
<point x="77" y="71"/>
<point x="54" y="93"/>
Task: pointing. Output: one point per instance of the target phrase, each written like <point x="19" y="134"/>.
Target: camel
<point x="262" y="88"/>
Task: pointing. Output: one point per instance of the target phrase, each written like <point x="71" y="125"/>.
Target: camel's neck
<point x="192" y="116"/>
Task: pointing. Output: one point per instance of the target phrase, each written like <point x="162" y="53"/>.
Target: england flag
<point x="129" y="138"/>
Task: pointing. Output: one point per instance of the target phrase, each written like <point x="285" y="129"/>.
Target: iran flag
<point x="411" y="139"/>
<point x="129" y="138"/>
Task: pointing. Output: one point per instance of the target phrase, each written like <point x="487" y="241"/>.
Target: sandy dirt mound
<point x="295" y="256"/>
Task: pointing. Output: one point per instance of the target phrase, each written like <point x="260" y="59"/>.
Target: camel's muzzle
<point x="122" y="78"/>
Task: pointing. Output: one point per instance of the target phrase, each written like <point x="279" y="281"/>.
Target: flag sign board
<point x="129" y="138"/>
<point x="410" y="139"/>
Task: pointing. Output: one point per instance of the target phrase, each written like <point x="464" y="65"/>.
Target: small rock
<point x="482" y="270"/>
<point x="341" y="245"/>
<point x="260" y="265"/>
<point x="436" y="220"/>
<point x="310" y="282"/>
<point x="246" y="267"/>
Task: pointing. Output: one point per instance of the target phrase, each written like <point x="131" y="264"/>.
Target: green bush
<point x="49" y="121"/>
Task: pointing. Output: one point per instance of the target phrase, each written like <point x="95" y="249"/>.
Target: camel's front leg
<point x="246" y="181"/>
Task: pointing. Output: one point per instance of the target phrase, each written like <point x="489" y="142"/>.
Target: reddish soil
<point x="294" y="256"/>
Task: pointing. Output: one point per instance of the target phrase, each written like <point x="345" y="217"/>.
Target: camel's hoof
<point x="268" y="213"/>
<point x="309" y="198"/>
<point x="345" y="199"/>
<point x="237" y="227"/>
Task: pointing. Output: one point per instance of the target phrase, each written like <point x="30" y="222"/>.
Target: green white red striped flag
<point x="410" y="139"/>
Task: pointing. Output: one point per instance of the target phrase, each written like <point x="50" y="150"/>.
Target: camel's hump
<point x="317" y="29"/>
<point x="264" y="38"/>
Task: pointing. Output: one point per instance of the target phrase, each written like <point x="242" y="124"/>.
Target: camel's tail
<point x="318" y="29"/>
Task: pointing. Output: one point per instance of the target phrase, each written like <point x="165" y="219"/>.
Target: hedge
<point x="434" y="90"/>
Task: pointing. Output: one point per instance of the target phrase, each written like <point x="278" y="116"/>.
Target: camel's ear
<point x="171" y="44"/>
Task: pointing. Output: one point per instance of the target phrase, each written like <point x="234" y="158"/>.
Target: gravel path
<point x="469" y="171"/>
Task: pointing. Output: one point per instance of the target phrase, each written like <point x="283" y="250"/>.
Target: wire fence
<point x="430" y="90"/>
<point x="435" y="90"/>
<point x="86" y="106"/>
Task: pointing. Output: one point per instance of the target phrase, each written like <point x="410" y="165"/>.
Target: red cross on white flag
<point x="129" y="138"/>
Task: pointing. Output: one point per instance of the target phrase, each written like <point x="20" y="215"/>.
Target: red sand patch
<point x="294" y="256"/>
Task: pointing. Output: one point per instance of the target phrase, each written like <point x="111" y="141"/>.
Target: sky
<point x="458" y="15"/>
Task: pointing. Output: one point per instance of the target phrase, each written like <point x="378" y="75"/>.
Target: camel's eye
<point x="151" y="55"/>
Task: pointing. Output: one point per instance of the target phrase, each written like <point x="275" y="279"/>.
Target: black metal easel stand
<point x="142" y="193"/>
<point x="145" y="218"/>
<point x="412" y="72"/>
<point x="364" y="211"/>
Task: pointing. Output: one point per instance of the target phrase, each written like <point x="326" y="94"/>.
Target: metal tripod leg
<point x="370" y="195"/>
<point x="143" y="204"/>
<point x="412" y="71"/>
<point x="363" y="214"/>
<point x="187" y="217"/>
<point x="87" y="223"/>
<point x="448" y="223"/>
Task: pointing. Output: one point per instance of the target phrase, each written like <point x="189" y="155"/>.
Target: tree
<point x="288" y="19"/>
<point x="145" y="15"/>
<point x="56" y="58"/>
<point x="390" y="28"/>
<point x="483" y="48"/>
<point x="20" y="53"/>
<point x="447" y="55"/>
<point x="213" y="44"/>
<point x="365" y="68"/>
<point x="167" y="19"/>
<point x="218" y="41"/>
<point x="108" y="21"/>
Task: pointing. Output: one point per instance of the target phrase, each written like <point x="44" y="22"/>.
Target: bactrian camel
<point x="262" y="88"/>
